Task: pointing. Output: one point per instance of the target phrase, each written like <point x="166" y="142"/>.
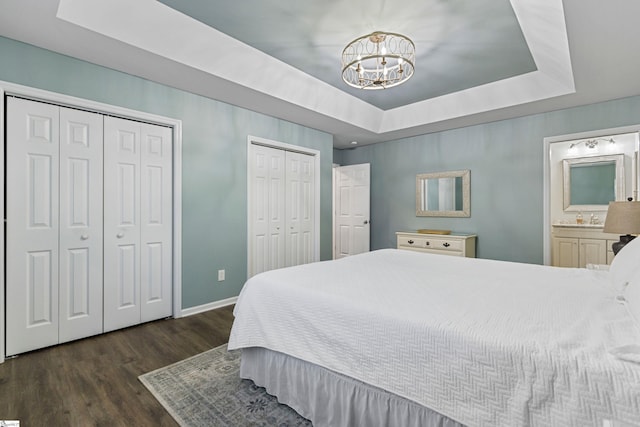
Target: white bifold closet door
<point x="137" y="223"/>
<point x="54" y="225"/>
<point x="282" y="208"/>
<point x="89" y="224"/>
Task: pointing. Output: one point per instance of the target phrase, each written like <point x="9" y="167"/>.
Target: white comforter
<point x="486" y="343"/>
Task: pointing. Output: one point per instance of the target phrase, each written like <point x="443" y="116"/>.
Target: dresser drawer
<point x="450" y="244"/>
<point x="442" y="244"/>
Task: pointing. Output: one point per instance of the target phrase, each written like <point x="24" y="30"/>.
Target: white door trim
<point x="287" y="147"/>
<point x="546" y="174"/>
<point x="7" y="88"/>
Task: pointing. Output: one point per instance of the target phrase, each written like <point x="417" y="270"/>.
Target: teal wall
<point x="506" y="163"/>
<point x="214" y="150"/>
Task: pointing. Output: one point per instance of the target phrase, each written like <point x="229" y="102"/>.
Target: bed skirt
<point x="327" y="398"/>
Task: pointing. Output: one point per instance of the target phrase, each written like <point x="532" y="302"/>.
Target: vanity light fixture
<point x="592" y="143"/>
<point x="623" y="217"/>
<point x="378" y="60"/>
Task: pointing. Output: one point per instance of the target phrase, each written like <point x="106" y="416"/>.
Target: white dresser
<point x="446" y="244"/>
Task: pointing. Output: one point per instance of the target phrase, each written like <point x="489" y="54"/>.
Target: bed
<point x="401" y="338"/>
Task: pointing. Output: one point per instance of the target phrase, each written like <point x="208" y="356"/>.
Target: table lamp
<point x="623" y="218"/>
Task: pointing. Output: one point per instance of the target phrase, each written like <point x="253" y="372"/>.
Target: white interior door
<point x="32" y="225"/>
<point x="299" y="208"/>
<point x="121" y="223"/>
<point x="156" y="223"/>
<point x="80" y="241"/>
<point x="351" y="209"/>
<point x="266" y="208"/>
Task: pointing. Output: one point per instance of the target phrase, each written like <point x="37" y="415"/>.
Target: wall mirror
<point x="444" y="194"/>
<point x="590" y="183"/>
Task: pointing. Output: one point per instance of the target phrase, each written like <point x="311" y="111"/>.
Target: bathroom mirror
<point x="590" y="183"/>
<point x="444" y="194"/>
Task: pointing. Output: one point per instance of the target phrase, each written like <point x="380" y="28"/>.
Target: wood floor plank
<point x="94" y="381"/>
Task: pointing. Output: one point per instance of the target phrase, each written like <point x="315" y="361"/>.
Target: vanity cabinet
<point x="579" y="245"/>
<point x="445" y="244"/>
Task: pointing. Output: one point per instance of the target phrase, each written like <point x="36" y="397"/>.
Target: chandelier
<point x="378" y="60"/>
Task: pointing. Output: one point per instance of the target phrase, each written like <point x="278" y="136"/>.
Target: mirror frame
<point x="566" y="178"/>
<point x="466" y="193"/>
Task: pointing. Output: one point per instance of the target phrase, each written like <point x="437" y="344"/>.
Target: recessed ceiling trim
<point x="163" y="31"/>
<point x="543" y="26"/>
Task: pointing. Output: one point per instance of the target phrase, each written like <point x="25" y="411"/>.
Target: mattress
<point x="486" y="343"/>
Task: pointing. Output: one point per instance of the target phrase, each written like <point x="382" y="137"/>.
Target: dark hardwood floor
<point x="94" y="381"/>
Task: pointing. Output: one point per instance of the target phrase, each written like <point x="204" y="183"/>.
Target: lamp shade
<point x="623" y="218"/>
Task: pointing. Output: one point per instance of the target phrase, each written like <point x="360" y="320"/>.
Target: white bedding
<point x="486" y="343"/>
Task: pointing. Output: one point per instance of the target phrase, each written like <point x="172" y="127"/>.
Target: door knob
<point x="84" y="237"/>
<point x="120" y="235"/>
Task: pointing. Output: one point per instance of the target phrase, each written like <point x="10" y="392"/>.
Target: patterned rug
<point x="206" y="390"/>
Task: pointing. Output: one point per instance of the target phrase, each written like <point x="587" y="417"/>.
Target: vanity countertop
<point x="596" y="226"/>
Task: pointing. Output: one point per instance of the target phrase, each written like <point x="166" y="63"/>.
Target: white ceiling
<point x="477" y="61"/>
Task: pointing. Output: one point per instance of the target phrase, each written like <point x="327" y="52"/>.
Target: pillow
<point x="631" y="299"/>
<point x="630" y="352"/>
<point x="632" y="295"/>
<point x="625" y="265"/>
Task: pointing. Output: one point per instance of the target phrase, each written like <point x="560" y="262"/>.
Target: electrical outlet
<point x="220" y="275"/>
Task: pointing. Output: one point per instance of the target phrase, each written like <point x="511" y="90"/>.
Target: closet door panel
<point x="32" y="225"/>
<point x="156" y="222"/>
<point x="121" y="223"/>
<point x="267" y="209"/>
<point x="300" y="208"/>
<point x="293" y="240"/>
<point x="307" y="209"/>
<point x="81" y="159"/>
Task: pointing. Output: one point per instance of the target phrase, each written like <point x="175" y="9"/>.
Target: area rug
<point x="206" y="390"/>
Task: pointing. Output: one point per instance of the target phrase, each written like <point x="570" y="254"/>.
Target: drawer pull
<point x="446" y="245"/>
<point x="428" y="243"/>
<point x="410" y="242"/>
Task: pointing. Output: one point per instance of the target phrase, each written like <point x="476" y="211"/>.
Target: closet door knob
<point x="120" y="235"/>
<point x="84" y="237"/>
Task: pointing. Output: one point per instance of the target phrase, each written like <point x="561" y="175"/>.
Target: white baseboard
<point x="206" y="307"/>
